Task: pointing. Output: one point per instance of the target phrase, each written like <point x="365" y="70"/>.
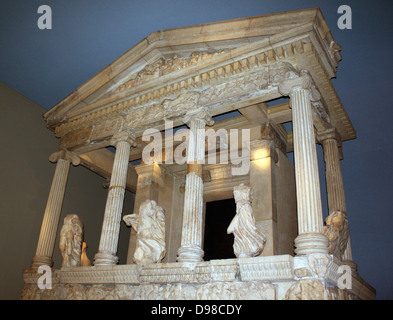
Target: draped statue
<point x="150" y="227"/>
<point x="71" y="238"/>
<point x="249" y="241"/>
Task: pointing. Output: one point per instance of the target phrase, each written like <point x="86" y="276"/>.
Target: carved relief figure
<point x="150" y="227"/>
<point x="162" y="67"/>
<point x="249" y="241"/>
<point x="337" y="231"/>
<point x="71" y="238"/>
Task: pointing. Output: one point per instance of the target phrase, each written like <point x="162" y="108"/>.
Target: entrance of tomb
<point x="217" y="243"/>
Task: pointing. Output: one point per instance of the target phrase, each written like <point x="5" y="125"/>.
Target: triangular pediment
<point x="167" y="51"/>
<point x="172" y="70"/>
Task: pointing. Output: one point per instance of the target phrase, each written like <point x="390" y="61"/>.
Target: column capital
<point x="126" y="136"/>
<point x="330" y="134"/>
<point x="201" y="114"/>
<point x="65" y="155"/>
<point x="303" y="81"/>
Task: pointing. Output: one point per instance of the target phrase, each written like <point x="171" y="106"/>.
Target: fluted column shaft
<point x="334" y="180"/>
<point x="114" y="205"/>
<point x="306" y="168"/>
<point x="50" y="222"/>
<point x="310" y="237"/>
<point x="191" y="240"/>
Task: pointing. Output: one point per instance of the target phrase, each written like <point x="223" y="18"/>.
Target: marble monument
<point x="263" y="71"/>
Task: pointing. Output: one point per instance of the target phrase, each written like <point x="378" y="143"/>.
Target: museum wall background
<point x="26" y="175"/>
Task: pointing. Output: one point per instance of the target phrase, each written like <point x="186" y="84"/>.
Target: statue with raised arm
<point x="71" y="238"/>
<point x="150" y="227"/>
<point x="249" y="241"/>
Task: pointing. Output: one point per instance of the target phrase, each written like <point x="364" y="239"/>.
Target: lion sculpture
<point x="337" y="232"/>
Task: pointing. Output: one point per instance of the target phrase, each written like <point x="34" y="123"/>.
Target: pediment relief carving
<point x="275" y="62"/>
<point x="241" y="81"/>
<point x="249" y="78"/>
<point x="162" y="67"/>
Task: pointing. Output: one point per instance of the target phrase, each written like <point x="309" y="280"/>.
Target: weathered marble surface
<point x="254" y="290"/>
<point x="249" y="64"/>
<point x="71" y="239"/>
<point x="249" y="241"/>
<point x="150" y="227"/>
<point x="280" y="277"/>
<point x="337" y="231"/>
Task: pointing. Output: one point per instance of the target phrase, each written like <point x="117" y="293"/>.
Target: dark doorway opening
<point x="217" y="243"/>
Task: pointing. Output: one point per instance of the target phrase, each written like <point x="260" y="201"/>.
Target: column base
<point x="41" y="261"/>
<point x="307" y="243"/>
<point x="190" y="253"/>
<point x="105" y="259"/>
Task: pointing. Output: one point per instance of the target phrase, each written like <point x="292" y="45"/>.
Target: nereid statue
<point x="71" y="238"/>
<point x="249" y="241"/>
<point x="150" y="227"/>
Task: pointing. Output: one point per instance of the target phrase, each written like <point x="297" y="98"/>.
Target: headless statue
<point x="249" y="241"/>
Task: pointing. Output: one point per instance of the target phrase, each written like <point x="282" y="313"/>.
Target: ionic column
<point x="330" y="141"/>
<point x="334" y="180"/>
<point x="107" y="248"/>
<point x="191" y="239"/>
<point x="310" y="237"/>
<point x="50" y="222"/>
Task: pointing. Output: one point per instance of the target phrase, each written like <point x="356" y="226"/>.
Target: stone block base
<point x="311" y="277"/>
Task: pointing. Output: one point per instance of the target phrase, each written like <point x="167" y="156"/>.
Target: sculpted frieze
<point x="106" y="129"/>
<point x="256" y="82"/>
<point x="144" y="115"/>
<point x="232" y="81"/>
<point x="76" y="138"/>
<point x="281" y="71"/>
<point x="183" y="103"/>
<point x="162" y="67"/>
<point x="239" y="86"/>
<point x="242" y="81"/>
